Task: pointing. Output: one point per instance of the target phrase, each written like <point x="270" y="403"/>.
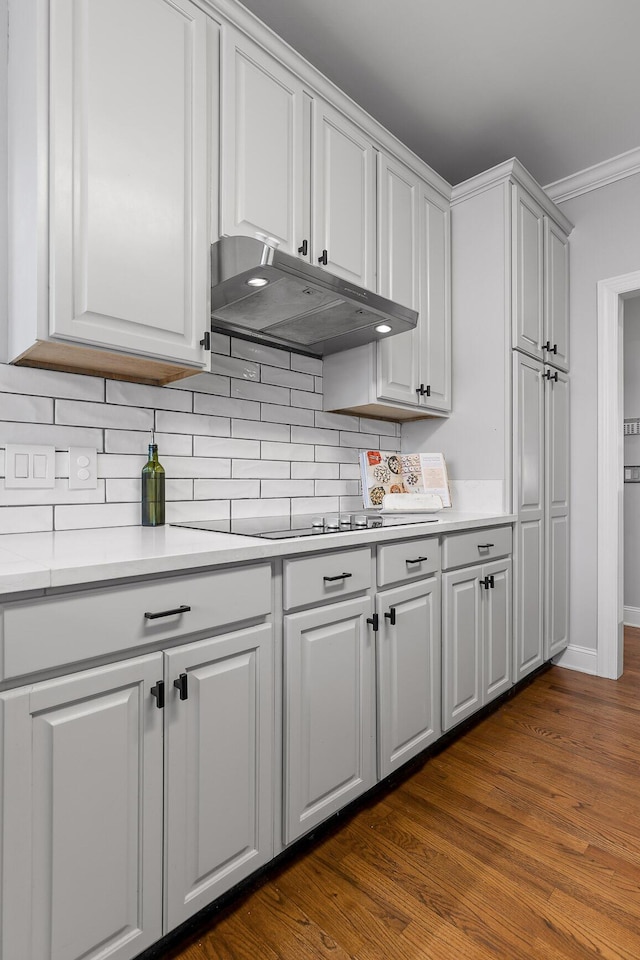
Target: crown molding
<point x="513" y="171"/>
<point x="592" y="178"/>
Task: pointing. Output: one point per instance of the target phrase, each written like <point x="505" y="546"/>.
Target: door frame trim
<point x="610" y="626"/>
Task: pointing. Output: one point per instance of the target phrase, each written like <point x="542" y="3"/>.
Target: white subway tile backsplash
<point x="219" y="447"/>
<point x="194" y="423"/>
<point x="235" y="367"/>
<point x="142" y="395"/>
<point x="315" y="471"/>
<point x="50" y="383"/>
<point x="287" y="378"/>
<point x="286" y="451"/>
<point x="30" y="409"/>
<point x="84" y="414"/>
<point x="249" y="439"/>
<point x="275" y="414"/>
<point x="84" y="516"/>
<point x="306" y="364"/>
<point x="286" y="488"/>
<point x="225" y="489"/>
<point x="46" y="433"/>
<point x="241" y="509"/>
<point x="258" y="353"/>
<point x="261" y="469"/>
<point x="203" y="383"/>
<point x="337" y="421"/>
<point x="25" y="519"/>
<point x="226" y="406"/>
<point x="249" y="390"/>
<point x="300" y="398"/>
<point x="252" y="430"/>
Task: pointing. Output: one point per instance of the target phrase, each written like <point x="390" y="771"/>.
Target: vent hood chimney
<point x="260" y="293"/>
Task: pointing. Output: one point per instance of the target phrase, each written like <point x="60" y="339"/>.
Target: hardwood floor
<point x="520" y="840"/>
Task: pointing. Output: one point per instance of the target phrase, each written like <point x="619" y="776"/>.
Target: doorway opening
<point x="612" y="295"/>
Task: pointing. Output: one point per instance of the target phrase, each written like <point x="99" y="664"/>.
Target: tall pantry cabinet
<point x="510" y="432"/>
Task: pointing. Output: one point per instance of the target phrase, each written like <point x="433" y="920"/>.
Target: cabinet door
<point x="218" y="759"/>
<point x="528" y="504"/>
<point x="399" y="277"/>
<point x="556" y="317"/>
<point x="328" y="710"/>
<point x="434" y="323"/>
<point x="343" y="197"/>
<point x="497" y="632"/>
<point x="82" y="815"/>
<point x="461" y="645"/>
<point x="557" y="515"/>
<point x="527" y="272"/>
<point x="129" y="201"/>
<point x="408" y="657"/>
<point x="262" y="149"/>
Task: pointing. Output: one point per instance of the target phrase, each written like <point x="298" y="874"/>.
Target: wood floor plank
<point x="519" y="841"/>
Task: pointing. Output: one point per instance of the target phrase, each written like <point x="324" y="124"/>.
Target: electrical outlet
<point x="83" y="468"/>
<point x="29" y="467"/>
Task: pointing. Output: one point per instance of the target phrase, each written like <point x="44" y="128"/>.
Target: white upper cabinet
<point x="540" y="282"/>
<point x="527" y="239"/>
<point x="556" y="317"/>
<point x="128" y="191"/>
<point x="343" y="197"/>
<point x="264" y="187"/>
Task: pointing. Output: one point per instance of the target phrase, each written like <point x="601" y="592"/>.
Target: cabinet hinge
<point x="375" y="622"/>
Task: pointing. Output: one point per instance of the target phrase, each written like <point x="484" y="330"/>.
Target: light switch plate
<point x="29" y="467"/>
<point x="83" y="468"/>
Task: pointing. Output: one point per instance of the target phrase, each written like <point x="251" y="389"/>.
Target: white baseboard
<point x="583" y="659"/>
<point x="632" y="616"/>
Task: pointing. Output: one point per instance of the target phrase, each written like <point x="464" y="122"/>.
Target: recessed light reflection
<point x="257" y="281"/>
<point x="383" y="328"/>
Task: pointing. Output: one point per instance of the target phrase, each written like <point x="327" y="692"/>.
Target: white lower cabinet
<point x="82" y="815"/>
<point x="329" y="727"/>
<point x="476" y="638"/>
<point x="408" y="662"/>
<point x="83" y="776"/>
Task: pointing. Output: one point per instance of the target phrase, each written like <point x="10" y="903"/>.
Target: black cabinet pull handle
<point x="551" y="349"/>
<point x="374" y="621"/>
<point x="181" y="684"/>
<point x="167" y="613"/>
<point x="323" y="259"/>
<point x="206" y="340"/>
<point x="551" y="376"/>
<point x="417" y="560"/>
<point x="488" y="582"/>
<point x="304" y="249"/>
<point x="424" y="391"/>
<point x="485" y="546"/>
<point x="391" y="616"/>
<point x="158" y="693"/>
<point x="340" y="576"/>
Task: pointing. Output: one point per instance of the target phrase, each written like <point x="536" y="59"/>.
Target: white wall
<point x="604" y="244"/>
<point x="632" y="458"/>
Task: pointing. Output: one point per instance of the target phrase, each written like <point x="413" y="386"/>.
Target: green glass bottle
<point x="153" y="490"/>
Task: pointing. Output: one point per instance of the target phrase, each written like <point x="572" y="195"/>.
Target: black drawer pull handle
<point x="417" y="560"/>
<point x="391" y="616"/>
<point x="158" y="693"/>
<point x="181" y="684"/>
<point x="167" y="613"/>
<point x="340" y="576"/>
<point x="485" y="546"/>
<point x="304" y="249"/>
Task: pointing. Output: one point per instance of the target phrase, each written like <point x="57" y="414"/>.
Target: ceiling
<point x="469" y="83"/>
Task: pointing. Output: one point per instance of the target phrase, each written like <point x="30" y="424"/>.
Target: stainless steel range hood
<point x="261" y="293"/>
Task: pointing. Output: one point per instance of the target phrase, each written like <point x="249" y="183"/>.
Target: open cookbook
<point x="410" y="473"/>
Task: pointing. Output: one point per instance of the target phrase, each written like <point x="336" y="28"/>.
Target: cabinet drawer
<point x="327" y="576"/>
<point x="408" y="560"/>
<point x="60" y="630"/>
<point x="475" y="546"/>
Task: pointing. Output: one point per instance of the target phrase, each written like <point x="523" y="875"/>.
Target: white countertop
<point x="37" y="561"/>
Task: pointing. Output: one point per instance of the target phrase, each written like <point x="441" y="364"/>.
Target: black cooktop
<point x="285" y="528"/>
